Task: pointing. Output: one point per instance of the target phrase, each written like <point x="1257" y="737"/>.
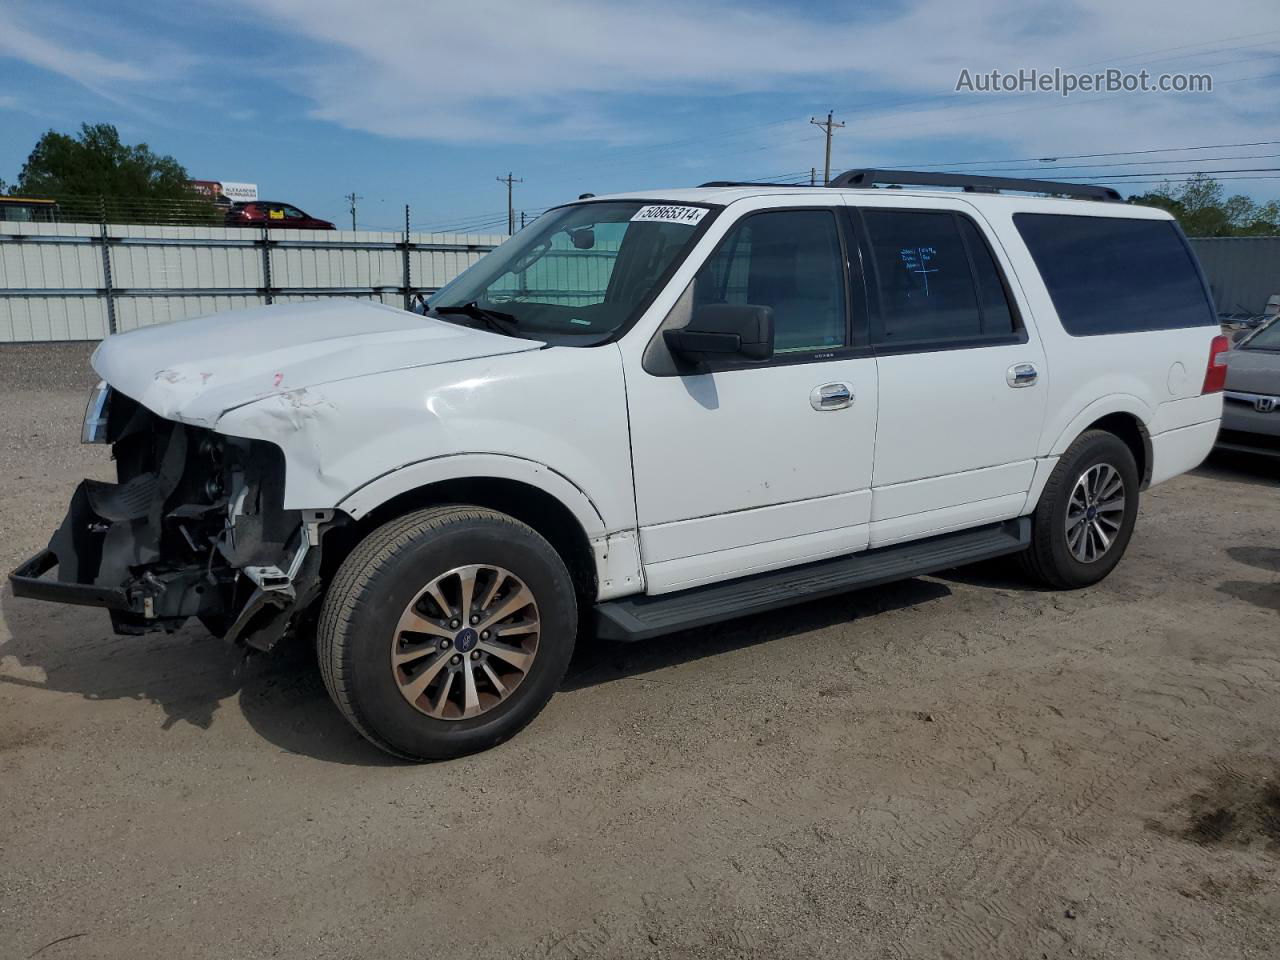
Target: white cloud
<point x="525" y="72"/>
<point x="501" y="71"/>
<point x="81" y="65"/>
<point x="96" y="51"/>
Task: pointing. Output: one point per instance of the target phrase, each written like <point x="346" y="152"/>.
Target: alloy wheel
<point x="1095" y="512"/>
<point x="465" y="642"/>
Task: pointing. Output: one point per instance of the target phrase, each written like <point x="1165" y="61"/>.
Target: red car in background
<point x="257" y="213"/>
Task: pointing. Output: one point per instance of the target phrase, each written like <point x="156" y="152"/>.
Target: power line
<point x="1181" y="180"/>
<point x="1063" y="102"/>
<point x="473" y="222"/>
<point x="882" y="104"/>
<point x="1186" y="46"/>
<point x="485" y="227"/>
<point x="478" y="220"/>
<point x="1129" y="163"/>
<point x="1172" y="173"/>
<point x="1092" y="156"/>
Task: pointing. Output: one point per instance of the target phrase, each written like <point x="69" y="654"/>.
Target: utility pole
<point x="511" y="211"/>
<point x="813" y="176"/>
<point x="828" y="125"/>
<point x="351" y="198"/>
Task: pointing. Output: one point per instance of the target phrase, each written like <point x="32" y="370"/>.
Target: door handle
<point x="1022" y="375"/>
<point x="831" y="396"/>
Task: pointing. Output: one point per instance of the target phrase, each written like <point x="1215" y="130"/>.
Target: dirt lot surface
<point x="952" y="767"/>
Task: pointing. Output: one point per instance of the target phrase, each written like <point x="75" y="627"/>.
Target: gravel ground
<point x="955" y="766"/>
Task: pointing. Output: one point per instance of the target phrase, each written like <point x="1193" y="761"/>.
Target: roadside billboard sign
<point x="235" y="192"/>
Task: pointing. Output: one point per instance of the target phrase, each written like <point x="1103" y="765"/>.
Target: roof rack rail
<point x="973" y="184"/>
<point x="749" y="183"/>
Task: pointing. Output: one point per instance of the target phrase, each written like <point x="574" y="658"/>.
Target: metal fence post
<point x="267" y="296"/>
<point x="407" y="277"/>
<point x="106" y="279"/>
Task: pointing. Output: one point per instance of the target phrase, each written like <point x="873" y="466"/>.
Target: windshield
<point x="576" y="274"/>
<point x="1268" y="338"/>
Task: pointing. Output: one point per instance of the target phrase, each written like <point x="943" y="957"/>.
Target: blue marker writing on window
<point x="917" y="260"/>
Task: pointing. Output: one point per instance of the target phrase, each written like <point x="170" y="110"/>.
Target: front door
<point x="753" y="466"/>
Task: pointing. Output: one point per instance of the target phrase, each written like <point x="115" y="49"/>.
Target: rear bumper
<point x="1177" y="451"/>
<point x="29" y="581"/>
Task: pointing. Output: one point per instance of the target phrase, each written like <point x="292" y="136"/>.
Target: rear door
<point x="962" y="376"/>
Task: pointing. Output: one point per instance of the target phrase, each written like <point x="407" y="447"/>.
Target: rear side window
<point x="937" y="279"/>
<point x="1113" y="275"/>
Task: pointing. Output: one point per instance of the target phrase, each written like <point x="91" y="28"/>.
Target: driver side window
<point x="790" y="260"/>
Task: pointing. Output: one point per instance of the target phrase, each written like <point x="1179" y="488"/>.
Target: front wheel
<point x="1086" y="513"/>
<point x="446" y="631"/>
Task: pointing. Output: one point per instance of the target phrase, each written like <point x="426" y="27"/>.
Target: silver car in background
<point x="1251" y="402"/>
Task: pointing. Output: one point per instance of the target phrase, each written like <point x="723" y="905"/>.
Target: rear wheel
<point x="1086" y="513"/>
<point x="446" y="631"/>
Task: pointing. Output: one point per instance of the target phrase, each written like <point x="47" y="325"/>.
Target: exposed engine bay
<point x="194" y="527"/>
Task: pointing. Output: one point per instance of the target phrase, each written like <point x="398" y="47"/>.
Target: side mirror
<point x="726" y="331"/>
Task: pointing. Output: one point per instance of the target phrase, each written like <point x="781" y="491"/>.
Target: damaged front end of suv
<point x="195" y="526"/>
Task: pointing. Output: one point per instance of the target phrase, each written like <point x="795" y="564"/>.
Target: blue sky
<point x="426" y="103"/>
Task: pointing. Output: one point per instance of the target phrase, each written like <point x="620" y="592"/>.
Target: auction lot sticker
<point x="668" y="213"/>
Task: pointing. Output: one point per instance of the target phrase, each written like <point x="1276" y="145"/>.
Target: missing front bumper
<point x="29" y="580"/>
<point x="194" y="528"/>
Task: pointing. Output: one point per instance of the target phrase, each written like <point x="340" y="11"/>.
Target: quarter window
<point x="790" y="260"/>
<point x="1116" y="275"/>
<point x="937" y="278"/>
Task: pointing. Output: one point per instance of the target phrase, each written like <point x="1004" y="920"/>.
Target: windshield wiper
<point x="503" y="323"/>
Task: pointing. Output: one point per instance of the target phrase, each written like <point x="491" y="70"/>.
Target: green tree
<point x="95" y="175"/>
<point x="97" y="163"/>
<point x="1204" y="210"/>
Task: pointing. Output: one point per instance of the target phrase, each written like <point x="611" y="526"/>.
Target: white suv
<point x="645" y="413"/>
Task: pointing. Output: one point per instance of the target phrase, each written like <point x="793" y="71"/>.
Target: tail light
<point x="1215" y="374"/>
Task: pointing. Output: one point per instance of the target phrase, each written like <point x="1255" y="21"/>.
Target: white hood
<point x="196" y="370"/>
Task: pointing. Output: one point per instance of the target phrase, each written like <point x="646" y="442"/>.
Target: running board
<point x="641" y="617"/>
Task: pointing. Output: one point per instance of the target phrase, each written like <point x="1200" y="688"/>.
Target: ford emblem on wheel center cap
<point x="465" y="640"/>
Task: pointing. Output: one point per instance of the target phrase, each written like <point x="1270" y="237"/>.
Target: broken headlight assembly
<point x="95" y="415"/>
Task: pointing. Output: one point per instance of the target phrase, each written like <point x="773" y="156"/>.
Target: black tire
<point x="384" y="574"/>
<point x="1049" y="559"/>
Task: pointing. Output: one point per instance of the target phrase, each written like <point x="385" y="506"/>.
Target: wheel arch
<point x="530" y="492"/>
<point x="1123" y="415"/>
